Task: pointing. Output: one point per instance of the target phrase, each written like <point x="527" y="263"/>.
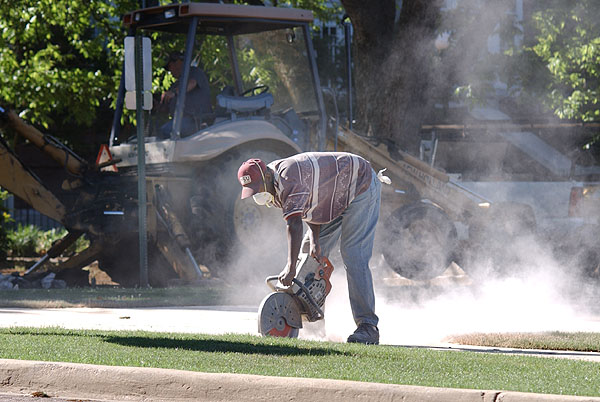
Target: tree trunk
<point x="392" y="59"/>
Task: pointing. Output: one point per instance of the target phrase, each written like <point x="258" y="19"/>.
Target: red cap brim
<point x="248" y="191"/>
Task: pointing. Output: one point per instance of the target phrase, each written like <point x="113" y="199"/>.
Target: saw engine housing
<point x="281" y="312"/>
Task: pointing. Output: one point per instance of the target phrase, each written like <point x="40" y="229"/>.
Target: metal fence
<point x="27" y="217"/>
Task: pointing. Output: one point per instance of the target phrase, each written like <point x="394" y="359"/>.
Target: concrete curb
<point x="71" y="380"/>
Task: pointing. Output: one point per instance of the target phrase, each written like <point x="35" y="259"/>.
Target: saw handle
<point x="326" y="273"/>
<point x="309" y="297"/>
<point x="275" y="288"/>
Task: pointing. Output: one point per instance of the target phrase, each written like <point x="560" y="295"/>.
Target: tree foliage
<point x="568" y="43"/>
<point x="60" y="58"/>
<point x="549" y="61"/>
<point x="324" y="10"/>
<point x="60" y="61"/>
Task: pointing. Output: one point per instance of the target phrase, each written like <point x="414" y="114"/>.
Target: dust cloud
<point x="516" y="283"/>
<point x="265" y="254"/>
<point x="520" y="285"/>
<point x="537" y="295"/>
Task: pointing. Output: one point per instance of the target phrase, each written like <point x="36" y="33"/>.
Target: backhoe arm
<point x="23" y="183"/>
<point x="430" y="183"/>
<point x="51" y="146"/>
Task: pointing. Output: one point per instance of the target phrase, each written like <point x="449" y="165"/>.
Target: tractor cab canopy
<point x="259" y="61"/>
<point x="217" y="19"/>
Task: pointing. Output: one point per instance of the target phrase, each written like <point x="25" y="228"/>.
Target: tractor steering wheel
<point x="253" y="91"/>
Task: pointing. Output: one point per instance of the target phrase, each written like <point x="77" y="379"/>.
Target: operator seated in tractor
<point x="197" y="111"/>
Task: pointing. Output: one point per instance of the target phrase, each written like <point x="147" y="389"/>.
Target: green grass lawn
<point x="298" y="358"/>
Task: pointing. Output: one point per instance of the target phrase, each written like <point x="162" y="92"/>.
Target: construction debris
<point x="46" y="281"/>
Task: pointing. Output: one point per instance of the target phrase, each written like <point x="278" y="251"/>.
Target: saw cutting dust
<point x="433" y="316"/>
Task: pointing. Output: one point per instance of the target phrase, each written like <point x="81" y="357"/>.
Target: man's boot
<point x="365" y="333"/>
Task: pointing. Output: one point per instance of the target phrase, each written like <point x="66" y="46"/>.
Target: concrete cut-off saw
<point x="281" y="312"/>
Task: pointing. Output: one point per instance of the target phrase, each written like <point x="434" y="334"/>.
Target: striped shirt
<point x="319" y="186"/>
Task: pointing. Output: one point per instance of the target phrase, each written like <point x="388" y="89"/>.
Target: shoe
<point x="365" y="333"/>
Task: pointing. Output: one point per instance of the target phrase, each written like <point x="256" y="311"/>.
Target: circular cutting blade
<point x="278" y="315"/>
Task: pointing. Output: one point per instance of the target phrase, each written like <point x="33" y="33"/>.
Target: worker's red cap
<point x="250" y="175"/>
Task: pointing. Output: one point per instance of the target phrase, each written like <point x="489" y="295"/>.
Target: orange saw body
<point x="281" y="312"/>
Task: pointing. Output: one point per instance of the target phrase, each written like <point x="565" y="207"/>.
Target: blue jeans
<point x="356" y="228"/>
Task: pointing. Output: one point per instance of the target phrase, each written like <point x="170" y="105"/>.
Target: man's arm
<point x="315" y="247"/>
<point x="191" y="84"/>
<point x="294" y="235"/>
<point x="168" y="95"/>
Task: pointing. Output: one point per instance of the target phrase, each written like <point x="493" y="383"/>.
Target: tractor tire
<point x="420" y="241"/>
<point x="242" y="240"/>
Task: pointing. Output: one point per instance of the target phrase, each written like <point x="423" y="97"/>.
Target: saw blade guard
<point x="279" y="315"/>
<point x="310" y="286"/>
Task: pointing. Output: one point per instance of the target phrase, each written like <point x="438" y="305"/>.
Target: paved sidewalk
<point x="208" y="319"/>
